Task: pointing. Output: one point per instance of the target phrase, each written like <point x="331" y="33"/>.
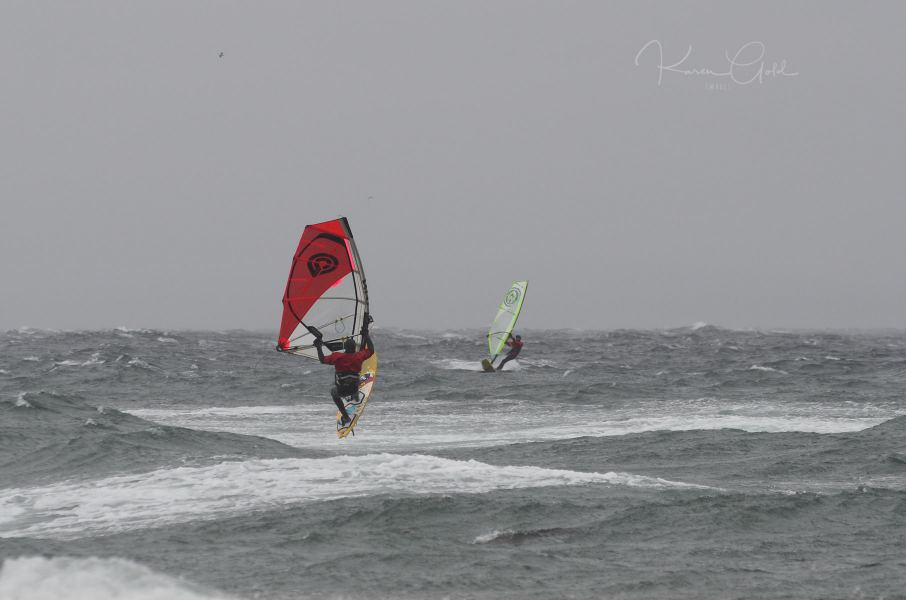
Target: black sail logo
<point x="319" y="264"/>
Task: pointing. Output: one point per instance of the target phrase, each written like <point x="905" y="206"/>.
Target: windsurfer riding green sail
<point x="325" y="304"/>
<point x="500" y="334"/>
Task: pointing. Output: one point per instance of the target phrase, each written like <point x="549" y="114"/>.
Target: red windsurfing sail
<point x="325" y="293"/>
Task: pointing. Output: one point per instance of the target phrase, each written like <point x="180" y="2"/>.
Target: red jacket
<point x="348" y="363"/>
<point x="515" y="344"/>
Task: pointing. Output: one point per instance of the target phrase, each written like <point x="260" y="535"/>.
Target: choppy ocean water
<point x="685" y="463"/>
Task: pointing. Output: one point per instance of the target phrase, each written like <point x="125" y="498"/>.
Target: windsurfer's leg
<point x="507" y="359"/>
<point x="349" y="392"/>
<point x="335" y="394"/>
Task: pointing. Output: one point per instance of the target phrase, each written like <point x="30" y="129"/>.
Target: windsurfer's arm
<point x="319" y="346"/>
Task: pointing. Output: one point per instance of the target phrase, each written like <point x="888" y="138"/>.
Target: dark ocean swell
<point x="686" y="463"/>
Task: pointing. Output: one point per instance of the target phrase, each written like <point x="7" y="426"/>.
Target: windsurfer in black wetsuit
<point x="515" y="343"/>
<point x="348" y="364"/>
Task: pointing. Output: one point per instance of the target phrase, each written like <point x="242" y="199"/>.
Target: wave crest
<point x="39" y="578"/>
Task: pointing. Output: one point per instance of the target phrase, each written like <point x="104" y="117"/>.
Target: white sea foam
<point x="409" y="336"/>
<point x="449" y="335"/>
<point x="392" y="426"/>
<point x="538" y="362"/>
<point x="455" y="364"/>
<point x="307" y="424"/>
<point x="137" y="362"/>
<point x="490" y="537"/>
<point x="62" y="577"/>
<point x="885" y="482"/>
<point x="513" y="365"/>
<point x="124" y="329"/>
<point x="21" y="402"/>
<point x="767" y="369"/>
<point x="216" y="411"/>
<point x="93" y="360"/>
<point x="30" y="358"/>
<point x="127" y="502"/>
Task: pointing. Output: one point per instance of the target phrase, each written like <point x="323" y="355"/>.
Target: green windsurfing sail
<point x="505" y="321"/>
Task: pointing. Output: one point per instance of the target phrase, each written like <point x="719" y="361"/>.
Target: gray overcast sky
<point x="147" y="182"/>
